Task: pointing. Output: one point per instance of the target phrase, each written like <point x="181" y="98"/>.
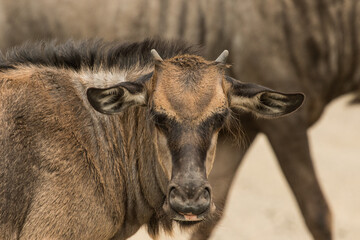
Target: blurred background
<point x="310" y="46"/>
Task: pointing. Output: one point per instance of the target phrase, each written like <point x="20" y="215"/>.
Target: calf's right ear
<point x="261" y="101"/>
<point x="117" y="98"/>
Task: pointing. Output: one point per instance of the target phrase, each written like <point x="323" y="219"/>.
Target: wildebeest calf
<point x="98" y="139"/>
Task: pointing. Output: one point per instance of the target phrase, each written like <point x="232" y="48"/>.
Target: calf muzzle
<point x="189" y="203"/>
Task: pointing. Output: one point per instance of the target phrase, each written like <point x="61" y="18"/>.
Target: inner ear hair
<point x="117" y="98"/>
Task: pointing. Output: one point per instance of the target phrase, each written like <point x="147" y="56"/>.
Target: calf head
<point x="188" y="100"/>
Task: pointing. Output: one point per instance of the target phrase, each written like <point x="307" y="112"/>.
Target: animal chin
<point x="188" y="220"/>
<point x="188" y="217"/>
<point x="182" y="218"/>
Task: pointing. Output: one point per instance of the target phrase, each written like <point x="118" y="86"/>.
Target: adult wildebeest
<point x="310" y="46"/>
<point x="99" y="139"/>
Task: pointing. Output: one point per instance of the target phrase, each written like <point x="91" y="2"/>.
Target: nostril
<point x="204" y="198"/>
<point x="205" y="194"/>
<point x="176" y="199"/>
<point x="172" y="193"/>
<point x="207" y="189"/>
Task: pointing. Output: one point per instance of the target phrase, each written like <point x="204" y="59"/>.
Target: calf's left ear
<point x="261" y="101"/>
<point x="117" y="98"/>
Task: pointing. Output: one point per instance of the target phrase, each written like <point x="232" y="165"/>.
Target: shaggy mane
<point x="92" y="54"/>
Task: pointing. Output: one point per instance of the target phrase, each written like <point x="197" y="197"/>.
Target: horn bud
<point x="156" y="55"/>
<point x="223" y="56"/>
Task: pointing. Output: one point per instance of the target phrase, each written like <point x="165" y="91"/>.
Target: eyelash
<point x="218" y="122"/>
<point x="163" y="122"/>
<point x="160" y="121"/>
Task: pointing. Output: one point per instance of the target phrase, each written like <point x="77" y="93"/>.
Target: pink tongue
<point x="191" y="217"/>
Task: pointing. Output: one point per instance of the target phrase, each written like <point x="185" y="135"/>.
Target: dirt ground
<point x="261" y="206"/>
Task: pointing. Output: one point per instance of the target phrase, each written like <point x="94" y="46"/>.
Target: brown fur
<point x="67" y="171"/>
<point x="193" y="90"/>
<point x="70" y="172"/>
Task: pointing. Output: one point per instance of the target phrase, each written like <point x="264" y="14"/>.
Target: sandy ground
<point x="261" y="205"/>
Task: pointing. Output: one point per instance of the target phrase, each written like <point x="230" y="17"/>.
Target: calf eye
<point x="162" y="122"/>
<point x="217" y="120"/>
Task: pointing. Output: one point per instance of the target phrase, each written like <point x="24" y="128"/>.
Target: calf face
<point x="188" y="100"/>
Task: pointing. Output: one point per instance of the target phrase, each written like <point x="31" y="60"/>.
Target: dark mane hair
<point x="92" y="54"/>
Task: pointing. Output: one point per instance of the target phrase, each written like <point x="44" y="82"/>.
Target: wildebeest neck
<point x="146" y="182"/>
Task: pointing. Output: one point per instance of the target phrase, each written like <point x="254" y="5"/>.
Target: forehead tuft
<point x="190" y="70"/>
<point x="189" y="88"/>
<point x="189" y="62"/>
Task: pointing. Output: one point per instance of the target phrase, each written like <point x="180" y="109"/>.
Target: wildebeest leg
<point x="288" y="137"/>
<point x="228" y="159"/>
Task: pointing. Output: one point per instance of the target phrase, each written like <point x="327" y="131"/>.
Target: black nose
<point x="189" y="202"/>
